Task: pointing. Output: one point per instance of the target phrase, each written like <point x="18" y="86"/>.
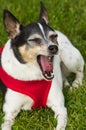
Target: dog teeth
<point x="46" y="74"/>
<point x="51" y="75"/>
<point x="49" y="58"/>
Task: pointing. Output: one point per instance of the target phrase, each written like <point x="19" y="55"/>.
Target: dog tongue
<point x="46" y="64"/>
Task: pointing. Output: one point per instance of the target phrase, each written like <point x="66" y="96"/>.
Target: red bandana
<point x="37" y="89"/>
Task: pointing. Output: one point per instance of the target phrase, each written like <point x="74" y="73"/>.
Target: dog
<point x="31" y="68"/>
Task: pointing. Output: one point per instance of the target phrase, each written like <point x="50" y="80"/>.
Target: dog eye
<point x="53" y="38"/>
<point x="37" y="40"/>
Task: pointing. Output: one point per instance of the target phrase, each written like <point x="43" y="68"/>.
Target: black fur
<point x="22" y="38"/>
<point x="46" y="27"/>
<point x="10" y="15"/>
<point x="2" y="86"/>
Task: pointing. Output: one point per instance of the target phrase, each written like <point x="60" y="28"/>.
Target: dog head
<point x="35" y="43"/>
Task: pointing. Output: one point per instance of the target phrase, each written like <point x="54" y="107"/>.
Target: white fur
<point x="14" y="101"/>
<point x="71" y="58"/>
<point x="40" y="26"/>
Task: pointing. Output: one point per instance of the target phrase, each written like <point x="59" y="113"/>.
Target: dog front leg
<point x="78" y="79"/>
<point x="11" y="108"/>
<point x="56" y="103"/>
<point x="61" y="116"/>
<point x="9" y="120"/>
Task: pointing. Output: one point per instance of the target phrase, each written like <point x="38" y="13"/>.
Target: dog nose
<point x="53" y="49"/>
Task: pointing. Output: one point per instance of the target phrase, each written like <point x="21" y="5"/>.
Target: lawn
<point x="69" y="17"/>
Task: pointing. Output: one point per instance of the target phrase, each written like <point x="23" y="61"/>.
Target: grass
<point x="70" y="18"/>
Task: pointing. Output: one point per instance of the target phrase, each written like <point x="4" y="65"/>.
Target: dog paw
<point x="71" y="88"/>
<point x="76" y="84"/>
<point x="66" y="83"/>
<point x="59" y="128"/>
<point x="5" y="127"/>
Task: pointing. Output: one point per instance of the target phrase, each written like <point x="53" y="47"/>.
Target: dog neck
<point x="17" y="70"/>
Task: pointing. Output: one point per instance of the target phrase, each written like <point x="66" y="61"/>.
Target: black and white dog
<point x="31" y="71"/>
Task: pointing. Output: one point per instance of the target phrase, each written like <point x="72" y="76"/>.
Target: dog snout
<point x="53" y="49"/>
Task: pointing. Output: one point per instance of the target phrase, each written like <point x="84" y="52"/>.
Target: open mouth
<point x="46" y="65"/>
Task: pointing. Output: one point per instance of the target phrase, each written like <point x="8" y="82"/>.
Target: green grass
<point x="68" y="16"/>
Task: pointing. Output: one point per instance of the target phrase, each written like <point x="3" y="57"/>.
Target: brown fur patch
<point x="30" y="54"/>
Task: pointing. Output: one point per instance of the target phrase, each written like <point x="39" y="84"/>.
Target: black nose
<point x="53" y="49"/>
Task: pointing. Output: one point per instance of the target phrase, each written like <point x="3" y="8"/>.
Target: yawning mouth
<point x="46" y="65"/>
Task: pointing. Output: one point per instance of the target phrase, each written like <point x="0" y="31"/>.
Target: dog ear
<point x="43" y="14"/>
<point x="11" y="24"/>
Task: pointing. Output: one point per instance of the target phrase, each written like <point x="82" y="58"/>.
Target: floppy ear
<point x="12" y="25"/>
<point x="43" y="14"/>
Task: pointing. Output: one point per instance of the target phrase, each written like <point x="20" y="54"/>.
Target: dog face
<point x="35" y="43"/>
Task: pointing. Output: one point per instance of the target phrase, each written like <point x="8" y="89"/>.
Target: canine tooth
<point x="49" y="58"/>
<point x="46" y="75"/>
<point x="52" y="74"/>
